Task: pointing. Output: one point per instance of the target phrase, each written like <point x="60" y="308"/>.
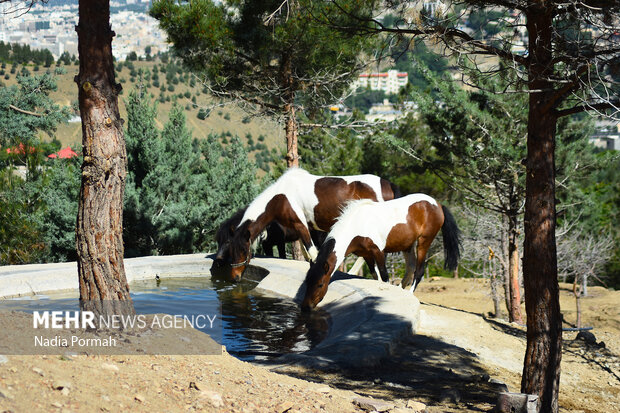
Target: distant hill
<point x="204" y="115"/>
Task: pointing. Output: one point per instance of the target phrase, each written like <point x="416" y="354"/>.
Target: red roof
<point x="66" y="153"/>
<point x="21" y="149"/>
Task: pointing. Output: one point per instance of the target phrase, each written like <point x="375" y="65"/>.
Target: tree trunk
<point x="541" y="369"/>
<point x="514" y="311"/>
<point x="103" y="285"/>
<point x="292" y="132"/>
<point x="506" y="264"/>
<point x="497" y="307"/>
<point x="577" y="294"/>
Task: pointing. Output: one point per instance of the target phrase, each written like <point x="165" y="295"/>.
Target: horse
<point x="372" y="229"/>
<point x="274" y="236"/>
<point x="301" y="201"/>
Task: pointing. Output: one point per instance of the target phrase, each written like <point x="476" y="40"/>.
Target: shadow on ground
<point x="446" y="377"/>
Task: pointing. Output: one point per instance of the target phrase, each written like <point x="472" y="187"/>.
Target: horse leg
<point x="379" y="258"/>
<point x="409" y="267"/>
<point x="306" y="239"/>
<point x="370" y="261"/>
<point x="424" y="244"/>
<point x="267" y="248"/>
<point x="281" y="249"/>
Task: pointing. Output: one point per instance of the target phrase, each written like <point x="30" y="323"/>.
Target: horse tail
<point x="451" y="240"/>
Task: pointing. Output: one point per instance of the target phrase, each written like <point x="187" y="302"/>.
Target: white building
<point x="390" y="82"/>
<point x="383" y="112"/>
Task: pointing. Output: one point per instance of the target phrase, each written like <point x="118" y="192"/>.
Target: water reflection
<point x="256" y="326"/>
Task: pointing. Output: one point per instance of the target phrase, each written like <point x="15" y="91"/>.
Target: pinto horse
<point x="372" y="229"/>
<point x="300" y="201"/>
<point x="274" y="236"/>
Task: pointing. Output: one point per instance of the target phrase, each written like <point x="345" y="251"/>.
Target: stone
<point x="517" y="403"/>
<point x="61" y="384"/>
<point x="3" y="359"/>
<point x="109" y="367"/>
<point x="324" y="389"/>
<point x="65" y="391"/>
<point x="450" y="396"/>
<point x="372" y="405"/>
<point x="5" y="394"/>
<point x="214" y="399"/>
<point x="38" y="371"/>
<point x="140" y="398"/>
<point x="587" y="337"/>
<point x="417" y="407"/>
<point x="284" y="406"/>
<point x="501" y="386"/>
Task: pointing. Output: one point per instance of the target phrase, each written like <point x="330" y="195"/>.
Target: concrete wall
<point x="367" y="317"/>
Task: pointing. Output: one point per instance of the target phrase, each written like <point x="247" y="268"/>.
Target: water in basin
<point x="256" y="326"/>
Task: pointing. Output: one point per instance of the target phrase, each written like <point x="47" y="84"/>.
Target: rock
<point x="587" y="337"/>
<point x="109" y="367"/>
<point x="139" y="397"/>
<point x="38" y="371"/>
<point x="372" y="405"/>
<point x="324" y="389"/>
<point x="284" y="406"/>
<point x="65" y="391"/>
<point x="3" y="359"/>
<point x="5" y="394"/>
<point x="61" y="384"/>
<point x="501" y="386"/>
<point x="214" y="399"/>
<point x="57" y="405"/>
<point x="517" y="403"/>
<point x="450" y="396"/>
<point x="417" y="407"/>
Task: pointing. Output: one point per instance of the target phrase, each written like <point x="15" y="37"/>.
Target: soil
<point x="458" y="362"/>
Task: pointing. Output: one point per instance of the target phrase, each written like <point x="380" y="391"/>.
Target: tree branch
<point x="25" y="112"/>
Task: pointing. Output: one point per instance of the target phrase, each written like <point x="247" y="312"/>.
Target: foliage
<point x="31" y="94"/>
<point x="31" y="226"/>
<point x="22" y="54"/>
<point x="58" y="190"/>
<point x="178" y="190"/>
<point x="327" y="152"/>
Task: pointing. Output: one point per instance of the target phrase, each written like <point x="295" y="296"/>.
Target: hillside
<point x="223" y="117"/>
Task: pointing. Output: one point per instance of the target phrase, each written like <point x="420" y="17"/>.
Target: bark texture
<point x="101" y="272"/>
<point x="541" y="370"/>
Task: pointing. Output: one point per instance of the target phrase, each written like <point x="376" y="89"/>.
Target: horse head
<point x="223" y="237"/>
<point x="240" y="254"/>
<point x="317" y="278"/>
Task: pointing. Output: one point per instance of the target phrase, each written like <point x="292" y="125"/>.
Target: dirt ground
<point x="458" y="362"/>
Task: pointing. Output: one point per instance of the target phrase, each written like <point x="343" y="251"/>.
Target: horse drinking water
<point x="274" y="236"/>
<point x="301" y="201"/>
<point x="371" y="229"/>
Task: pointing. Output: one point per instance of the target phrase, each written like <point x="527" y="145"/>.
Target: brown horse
<point x="300" y="201"/>
<point x="274" y="236"/>
<point x="372" y="229"/>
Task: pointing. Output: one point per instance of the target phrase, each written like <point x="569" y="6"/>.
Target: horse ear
<point x="326" y="267"/>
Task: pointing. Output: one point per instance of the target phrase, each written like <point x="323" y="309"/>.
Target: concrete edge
<point x="32" y="279"/>
<point x="367" y="317"/>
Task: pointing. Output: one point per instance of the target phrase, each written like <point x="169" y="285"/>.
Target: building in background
<point x="390" y="82"/>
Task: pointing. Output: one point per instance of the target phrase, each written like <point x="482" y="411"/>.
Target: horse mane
<point x="238" y="240"/>
<point x="352" y="205"/>
<point x="226" y="229"/>
<point x="316" y="270"/>
<point x="350" y="208"/>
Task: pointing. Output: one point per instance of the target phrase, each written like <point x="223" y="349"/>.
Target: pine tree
<point x="274" y="59"/>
